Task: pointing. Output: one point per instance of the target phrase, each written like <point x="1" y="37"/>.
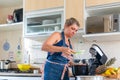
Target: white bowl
<point x="48" y="21"/>
<point x="58" y="20"/>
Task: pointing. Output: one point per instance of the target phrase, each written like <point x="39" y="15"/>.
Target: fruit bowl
<point x="23" y="67"/>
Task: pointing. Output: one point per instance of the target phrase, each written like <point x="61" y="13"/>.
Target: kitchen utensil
<point x="2" y="63"/>
<point x="58" y="20"/>
<point x="5" y="64"/>
<point x="76" y="60"/>
<point x="97" y="52"/>
<point x="48" y="21"/>
<point x="18" y="15"/>
<point x="98" y="58"/>
<point x="35" y="71"/>
<point x="56" y="28"/>
<point x="80" y="69"/>
<point x="23" y="67"/>
<point x="6" y="46"/>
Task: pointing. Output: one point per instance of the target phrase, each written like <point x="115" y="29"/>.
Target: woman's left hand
<point x="71" y="63"/>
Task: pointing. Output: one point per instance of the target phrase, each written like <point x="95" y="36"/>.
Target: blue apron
<point x="54" y="71"/>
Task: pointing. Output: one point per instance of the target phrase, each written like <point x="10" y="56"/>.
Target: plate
<point x="6" y="46"/>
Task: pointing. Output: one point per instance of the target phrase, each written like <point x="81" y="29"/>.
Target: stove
<point x="14" y="71"/>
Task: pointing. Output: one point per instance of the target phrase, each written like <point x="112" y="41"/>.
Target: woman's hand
<point x="71" y="63"/>
<point x="66" y="52"/>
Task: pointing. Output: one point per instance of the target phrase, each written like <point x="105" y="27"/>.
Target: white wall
<point x="111" y="49"/>
<point x="33" y="53"/>
<point x="14" y="38"/>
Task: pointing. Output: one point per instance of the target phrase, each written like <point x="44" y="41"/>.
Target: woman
<point x="59" y="51"/>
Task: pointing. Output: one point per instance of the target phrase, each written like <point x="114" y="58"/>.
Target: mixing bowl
<point x="23" y="67"/>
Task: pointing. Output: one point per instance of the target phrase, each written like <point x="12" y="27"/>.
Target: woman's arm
<point x="48" y="44"/>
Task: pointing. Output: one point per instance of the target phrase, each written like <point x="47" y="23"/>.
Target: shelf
<point x="13" y="26"/>
<point x="103" y="9"/>
<point x="114" y="36"/>
<point x="55" y="24"/>
<point x="10" y="3"/>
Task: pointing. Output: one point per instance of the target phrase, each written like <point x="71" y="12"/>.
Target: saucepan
<point x="5" y="64"/>
<point x="80" y="69"/>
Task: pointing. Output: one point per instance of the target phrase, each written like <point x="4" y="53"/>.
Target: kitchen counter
<point x="20" y="74"/>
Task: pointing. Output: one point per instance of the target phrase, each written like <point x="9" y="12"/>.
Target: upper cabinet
<point x="102" y="22"/>
<point x="10" y="16"/>
<point x="43" y="22"/>
<point x="75" y="9"/>
<point x="99" y="2"/>
<point x="31" y="5"/>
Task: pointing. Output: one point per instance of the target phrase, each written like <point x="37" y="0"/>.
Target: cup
<point x="35" y="71"/>
<point x="56" y="28"/>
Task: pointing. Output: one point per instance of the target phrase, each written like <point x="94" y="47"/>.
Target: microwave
<point x="103" y="24"/>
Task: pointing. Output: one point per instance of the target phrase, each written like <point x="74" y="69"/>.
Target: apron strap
<point x="63" y="38"/>
<point x="64" y="70"/>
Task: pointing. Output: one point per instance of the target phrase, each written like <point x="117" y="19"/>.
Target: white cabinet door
<point x="43" y="22"/>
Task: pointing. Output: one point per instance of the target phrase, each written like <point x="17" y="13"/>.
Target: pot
<point x="79" y="69"/>
<point x="2" y="63"/>
<point x="5" y="64"/>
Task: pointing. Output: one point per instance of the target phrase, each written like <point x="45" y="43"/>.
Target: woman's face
<point x="70" y="31"/>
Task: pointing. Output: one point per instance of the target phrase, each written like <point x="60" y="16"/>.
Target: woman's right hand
<point x="67" y="50"/>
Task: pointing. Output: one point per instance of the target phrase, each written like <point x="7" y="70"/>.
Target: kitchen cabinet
<point x="8" y="9"/>
<point x="100" y="10"/>
<point x="31" y="5"/>
<point x="75" y="9"/>
<point x="90" y="3"/>
<point x="43" y="22"/>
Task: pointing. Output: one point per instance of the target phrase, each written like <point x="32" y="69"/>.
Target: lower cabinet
<point x="19" y="78"/>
